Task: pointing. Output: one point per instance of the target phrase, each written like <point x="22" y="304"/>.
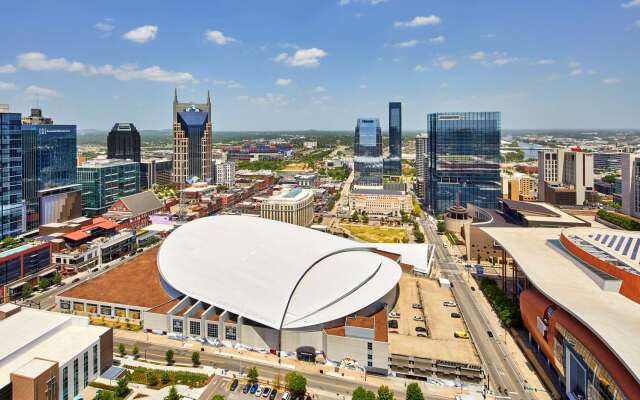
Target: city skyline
<point x="96" y="66"/>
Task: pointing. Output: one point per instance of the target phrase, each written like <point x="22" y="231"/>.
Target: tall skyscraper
<point x="191" y="140"/>
<point x="367" y="161"/>
<point x="565" y="177"/>
<point x="123" y="142"/>
<point x="393" y="165"/>
<point x="12" y="208"/>
<point x="421" y="170"/>
<point x="631" y="184"/>
<point x="463" y="160"/>
<point x="49" y="160"/>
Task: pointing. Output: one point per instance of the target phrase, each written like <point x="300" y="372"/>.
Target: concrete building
<point x="565" y="177"/>
<point x="520" y="187"/>
<point x="59" y="204"/>
<point x="36" y="118"/>
<point x="294" y="206"/>
<point x="105" y="181"/>
<point x="607" y="161"/>
<point x="224" y="173"/>
<point x="631" y="185"/>
<point x="191" y="140"/>
<point x="155" y="172"/>
<point x="421" y="164"/>
<point x="55" y="356"/>
<point x="123" y="142"/>
<point x="380" y="202"/>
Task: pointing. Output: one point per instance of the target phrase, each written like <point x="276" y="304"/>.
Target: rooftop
<point x="105" y="163"/>
<point x="295" y="194"/>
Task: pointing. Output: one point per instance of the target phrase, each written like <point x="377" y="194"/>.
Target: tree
<point x="296" y="383"/>
<point x="26" y="290"/>
<point x="164" y="377"/>
<point x="43" y="283"/>
<point x="122" y="389"/>
<point x="217" y="397"/>
<point x="195" y="358"/>
<point x="609" y="178"/>
<point x="440" y="226"/>
<point x="151" y="377"/>
<point x="173" y="394"/>
<point x="135" y="351"/>
<point x="384" y="393"/>
<point x="252" y="374"/>
<point x="414" y="392"/>
<point x="362" y="394"/>
<point x="355" y="217"/>
<point x="169" y="356"/>
<point x="122" y="350"/>
<point x="57" y="278"/>
<point x="104" y="395"/>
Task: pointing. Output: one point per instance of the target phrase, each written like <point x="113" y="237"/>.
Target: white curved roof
<point x="251" y="266"/>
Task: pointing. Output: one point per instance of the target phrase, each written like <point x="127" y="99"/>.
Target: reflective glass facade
<point x="463" y="160"/>
<point x="123" y="142"/>
<point x="393" y="163"/>
<point x="368" y="163"/>
<point x="11" y="205"/>
<point x="105" y="181"/>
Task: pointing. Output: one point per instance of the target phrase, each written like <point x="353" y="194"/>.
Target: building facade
<point x="380" y="202"/>
<point x="155" y="172"/>
<point x="463" y="160"/>
<point x="294" y="206"/>
<point x="394" y="162"/>
<point x="12" y="207"/>
<point x="367" y="160"/>
<point x="224" y="173"/>
<point x="565" y="177"/>
<point x="631" y="185"/>
<point x="105" y="181"/>
<point x="123" y="142"/>
<point x="59" y="204"/>
<point x="26" y="263"/>
<point x="607" y="161"/>
<point x="191" y="141"/>
<point x="421" y="164"/>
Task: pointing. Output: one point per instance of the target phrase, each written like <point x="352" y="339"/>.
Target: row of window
<point x="76" y="373"/>
<point x="177" y="326"/>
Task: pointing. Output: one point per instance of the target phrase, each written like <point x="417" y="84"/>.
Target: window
<point x="85" y="368"/>
<point x="65" y="305"/>
<point x="65" y="383"/>
<point x="369" y="364"/>
<point x="194" y="327"/>
<point x="369" y="357"/>
<point x="212" y="330"/>
<point x="230" y="332"/>
<point x="51" y="392"/>
<point x="95" y="359"/>
<point x="105" y="310"/>
<point x="369" y="346"/>
<point x="177" y="325"/>
<point x="75" y="377"/>
<point x="78" y="306"/>
<point x="135" y="314"/>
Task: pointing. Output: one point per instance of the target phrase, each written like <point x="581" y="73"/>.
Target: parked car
<point x="448" y="303"/>
<point x="393" y="324"/>
<point x="455" y="315"/>
<point x="417" y="306"/>
<point x="445" y="245"/>
<point x="394" y="314"/>
<point x="259" y="391"/>
<point x="266" y="391"/>
<point x="234" y="385"/>
<point x="418" y="318"/>
<point x="420" y="329"/>
<point x="421" y="335"/>
<point x="461" y="335"/>
<point x="246" y="388"/>
<point x="254" y="388"/>
<point x="75" y="280"/>
<point x="286" y="396"/>
<point x="94" y="270"/>
<point x="273" y="394"/>
<point x="473" y="288"/>
<point x="490" y="333"/>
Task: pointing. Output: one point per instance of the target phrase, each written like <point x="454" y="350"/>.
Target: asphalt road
<point x="327" y="383"/>
<point x="501" y="371"/>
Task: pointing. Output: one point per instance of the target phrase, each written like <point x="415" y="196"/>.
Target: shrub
<point x="414" y="392"/>
<point x="168" y="356"/>
<point x="195" y="358"/>
<point x="619" y="220"/>
<point x="508" y="312"/>
<point x="252" y="374"/>
<point x="122" y="350"/>
<point x="296" y="383"/>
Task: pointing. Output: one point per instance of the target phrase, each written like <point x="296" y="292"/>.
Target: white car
<point x="418" y="318"/>
<point x="445" y="245"/>
<point x="286" y="396"/>
<point x="259" y="391"/>
<point x="394" y="314"/>
<point x="448" y="303"/>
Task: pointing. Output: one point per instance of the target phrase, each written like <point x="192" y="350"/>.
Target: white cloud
<point x="632" y="3"/>
<point x="302" y="58"/>
<point x="230" y="84"/>
<point x="319" y="89"/>
<point x="369" y="2"/>
<point x="445" y="63"/>
<point x="489" y="35"/>
<point x="142" y="34"/>
<point x="364" y="86"/>
<point x="408" y="43"/>
<point x="611" y="81"/>
<point x="576" y="72"/>
<point x="35" y="61"/>
<point x="438" y="39"/>
<point x="34" y="91"/>
<point x="546" y="61"/>
<point x="421" y="68"/>
<point x="218" y="38"/>
<point x="574" y="65"/>
<point x="105" y="26"/>
<point x="7" y="69"/>
<point x="478" y="56"/>
<point x="269" y="99"/>
<point x="638" y="23"/>
<point x="419" y="21"/>
<point x="444" y="85"/>
<point x="7" y="86"/>
<point x="505" y="60"/>
<point x="283" y="82"/>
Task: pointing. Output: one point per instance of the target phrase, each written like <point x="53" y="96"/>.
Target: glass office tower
<point x="463" y="160"/>
<point x="123" y="142"/>
<point x="393" y="163"/>
<point x="11" y="205"/>
<point x="367" y="150"/>
<point x="105" y="181"/>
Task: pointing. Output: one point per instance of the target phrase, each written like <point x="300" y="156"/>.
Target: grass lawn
<point x="296" y="167"/>
<point x="377" y="234"/>
<point x="191" y="379"/>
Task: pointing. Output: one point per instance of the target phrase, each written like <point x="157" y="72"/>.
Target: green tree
<point x="384" y="393"/>
<point x="440" y="226"/>
<point x="122" y="389"/>
<point x="609" y="178"/>
<point x="135" y="351"/>
<point x="57" y="278"/>
<point x="168" y="356"/>
<point x="173" y="394"/>
<point x="164" y="377"/>
<point x="122" y="350"/>
<point x="44" y="283"/>
<point x="355" y="217"/>
<point x="195" y="358"/>
<point x="151" y="377"/>
<point x="252" y="374"/>
<point x="217" y="397"/>
<point x="361" y="393"/>
<point x="296" y="383"/>
<point x="414" y="392"/>
<point x="26" y="290"/>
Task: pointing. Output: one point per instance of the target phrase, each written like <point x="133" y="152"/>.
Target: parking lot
<point x="440" y="327"/>
<point x="222" y="386"/>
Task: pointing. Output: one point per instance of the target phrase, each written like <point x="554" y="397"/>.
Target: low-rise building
<point x="134" y="211"/>
<point x="23" y="264"/>
<point x="47" y="355"/>
<point x="294" y="206"/>
<point x="224" y="173"/>
<point x="380" y="202"/>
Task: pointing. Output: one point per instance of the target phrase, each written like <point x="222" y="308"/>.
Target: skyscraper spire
<point x="175" y="95"/>
<point x="208" y="97"/>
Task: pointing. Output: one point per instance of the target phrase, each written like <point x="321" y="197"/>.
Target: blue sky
<point x="321" y="64"/>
